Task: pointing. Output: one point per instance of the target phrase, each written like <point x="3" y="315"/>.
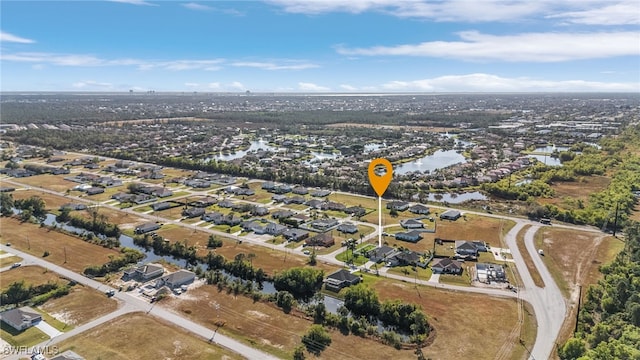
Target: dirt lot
<point x="34" y="240"/>
<point x="80" y="306"/>
<point x="52" y="202"/>
<point x="568" y="193"/>
<point x="48" y="181"/>
<point x="141" y="337"/>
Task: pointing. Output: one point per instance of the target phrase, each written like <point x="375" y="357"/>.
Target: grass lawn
<point x="422" y="274"/>
<point x="346" y="256"/>
<point x="49" y="182"/>
<point x="122" y="339"/>
<point x="57" y="324"/>
<point x="35" y="240"/>
<point x="462" y="280"/>
<point x="27" y="337"/>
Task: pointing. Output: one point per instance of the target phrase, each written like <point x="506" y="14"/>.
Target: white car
<point x="15" y="265"/>
<point x="306" y="252"/>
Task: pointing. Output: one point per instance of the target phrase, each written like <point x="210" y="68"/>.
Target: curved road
<point x="133" y="304"/>
<point x="547" y="302"/>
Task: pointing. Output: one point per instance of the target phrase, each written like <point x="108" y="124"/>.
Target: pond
<point x="455" y="198"/>
<point x="374" y="147"/>
<point x="547" y="160"/>
<point x="550" y="149"/>
<point x="253" y="147"/>
<point x="438" y="160"/>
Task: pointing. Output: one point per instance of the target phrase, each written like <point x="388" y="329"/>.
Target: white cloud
<point x="90" y="84"/>
<point x="532" y="47"/>
<point x="191" y="84"/>
<point x="593" y="12"/>
<point x="236" y="85"/>
<point x="214" y="85"/>
<point x="348" y="87"/>
<point x="272" y="66"/>
<point x="135" y="2"/>
<point x="622" y="13"/>
<point x="82" y="60"/>
<point x="304" y="86"/>
<point x="197" y="7"/>
<point x="6" y="37"/>
<point x="492" y="83"/>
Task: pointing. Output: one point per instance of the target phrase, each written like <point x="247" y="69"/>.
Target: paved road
<point x="548" y="304"/>
<point x="133" y="304"/>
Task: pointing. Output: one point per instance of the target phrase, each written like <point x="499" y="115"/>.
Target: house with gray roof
<point x="411" y="224"/>
<point x="21" y="318"/>
<point x="176" y="279"/>
<point x="340" y="279"/>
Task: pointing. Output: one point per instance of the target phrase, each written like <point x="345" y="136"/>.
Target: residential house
<point x="297" y="219"/>
<point x="94" y="190"/>
<point x="466" y="249"/>
<point x="356" y="211"/>
<point x="409" y="258"/>
<point x="226" y="204"/>
<point x="193" y="212"/>
<point x="21" y="318"/>
<point x="419" y="209"/>
<point x="347" y="228"/>
<point x="410" y="236"/>
<point x="331" y="205"/>
<point x="204" y="202"/>
<point x="268" y="185"/>
<point x="259" y="211"/>
<point x="322" y="239"/>
<point x="212" y="216"/>
<point x="294" y="200"/>
<point x="275" y="229"/>
<point x="340" y="279"/>
<point x="320" y="193"/>
<point x="176" y="279"/>
<point x="314" y="203"/>
<point x="411" y="224"/>
<point x="164" y="205"/>
<point x="324" y="224"/>
<point x="446" y="266"/>
<point x="144" y="272"/>
<point x="295" y="235"/>
<point x="450" y="215"/>
<point x="282" y="214"/>
<point x="398" y="205"/>
<point x="147" y="227"/>
<point x="278" y="198"/>
<point x="381" y="253"/>
<point x="300" y="190"/>
<point x="73" y="207"/>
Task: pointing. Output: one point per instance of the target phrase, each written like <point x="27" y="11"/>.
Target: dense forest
<point x="609" y="319"/>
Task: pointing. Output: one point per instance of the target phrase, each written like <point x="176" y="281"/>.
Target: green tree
<point x="316" y="339"/>
<point x="572" y="349"/>
<point x="6" y="204"/>
<point x="361" y="300"/>
<point x="298" y="353"/>
<point x="301" y="282"/>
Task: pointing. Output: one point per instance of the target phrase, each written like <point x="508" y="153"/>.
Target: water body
<point x="373" y="147"/>
<point x="254" y="146"/>
<point x="547" y="160"/>
<point x="550" y="149"/>
<point x="438" y="160"/>
<point x="453" y="198"/>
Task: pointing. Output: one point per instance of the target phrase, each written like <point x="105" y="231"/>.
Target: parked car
<point x="15" y="265"/>
<point x="110" y="292"/>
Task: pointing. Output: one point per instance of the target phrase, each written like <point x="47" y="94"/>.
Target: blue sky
<point x="356" y="46"/>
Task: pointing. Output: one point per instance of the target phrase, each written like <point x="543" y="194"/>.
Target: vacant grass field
<point x="31" y="275"/>
<point x="49" y="182"/>
<point x="34" y="240"/>
<point x="52" y="202"/>
<point x="478" y="323"/>
<point x="80" y="306"/>
<point x="567" y="194"/>
<point x="571" y="256"/>
<point x="137" y="336"/>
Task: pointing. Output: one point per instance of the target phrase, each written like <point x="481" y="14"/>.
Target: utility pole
<point x="615" y="219"/>
<point x="65" y="254"/>
<point x="575" y="330"/>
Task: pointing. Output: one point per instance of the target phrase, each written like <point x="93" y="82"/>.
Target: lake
<point x="438" y="160"/>
<point x="253" y="147"/>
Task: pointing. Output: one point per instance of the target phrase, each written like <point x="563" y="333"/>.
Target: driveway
<point x="48" y="329"/>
